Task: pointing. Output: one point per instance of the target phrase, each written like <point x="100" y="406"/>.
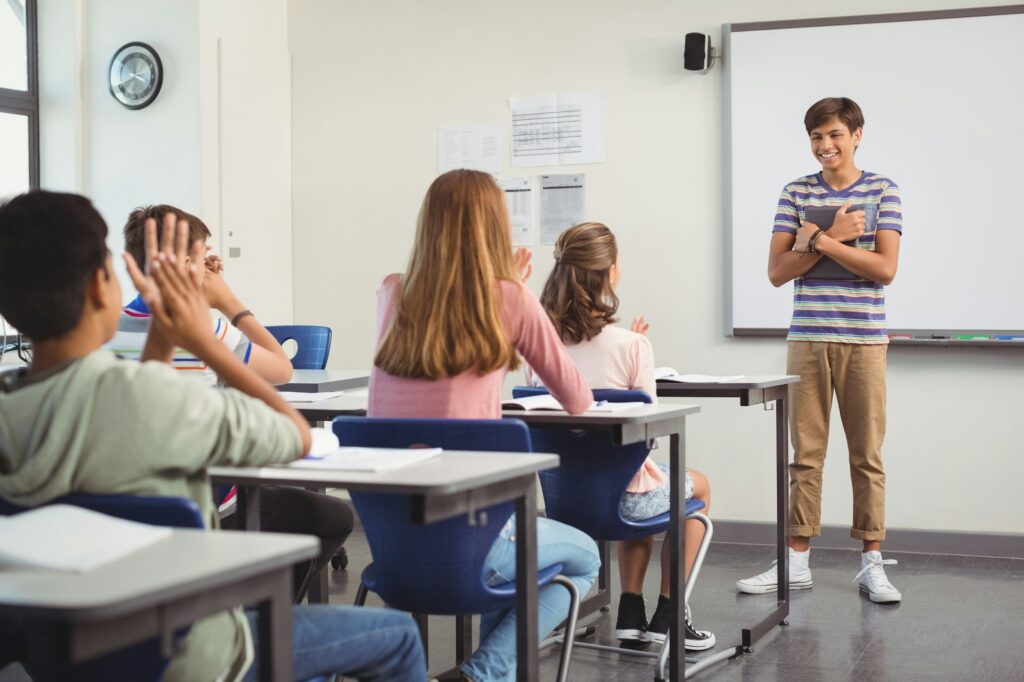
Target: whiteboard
<point x="943" y="103"/>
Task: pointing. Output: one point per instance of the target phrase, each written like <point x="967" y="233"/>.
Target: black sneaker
<point x="632" y="620"/>
<point x="657" y="630"/>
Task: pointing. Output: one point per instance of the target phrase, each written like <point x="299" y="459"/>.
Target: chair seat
<point x="506" y="590"/>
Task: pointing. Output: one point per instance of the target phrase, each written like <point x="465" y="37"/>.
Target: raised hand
<point x="172" y="286"/>
<point x="640" y="325"/>
<point x="521" y="257"/>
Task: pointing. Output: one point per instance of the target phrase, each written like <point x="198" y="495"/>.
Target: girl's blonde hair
<point x="448" y="317"/>
<point x="578" y="295"/>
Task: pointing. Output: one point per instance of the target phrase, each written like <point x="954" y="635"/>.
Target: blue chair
<point x="144" y="660"/>
<point x="437" y="568"/>
<point x="314" y="343"/>
<point x="586" y="488"/>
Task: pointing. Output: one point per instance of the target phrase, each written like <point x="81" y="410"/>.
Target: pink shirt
<point x="618" y="358"/>
<point x="470" y="395"/>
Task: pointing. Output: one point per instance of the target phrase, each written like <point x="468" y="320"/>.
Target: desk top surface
<point x="450" y="472"/>
<point x="189" y="562"/>
<point x="318" y="380"/>
<point x="746" y="383"/>
<point x="641" y="414"/>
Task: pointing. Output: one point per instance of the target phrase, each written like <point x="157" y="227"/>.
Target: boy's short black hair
<point x="135" y="228"/>
<point x="50" y="245"/>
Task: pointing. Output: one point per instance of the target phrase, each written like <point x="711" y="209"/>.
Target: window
<point x="19" y="98"/>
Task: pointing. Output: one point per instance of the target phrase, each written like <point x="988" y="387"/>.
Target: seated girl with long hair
<point x="579" y="297"/>
<point x="449" y="330"/>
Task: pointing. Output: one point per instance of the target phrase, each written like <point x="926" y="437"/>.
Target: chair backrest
<point x="586" y="488"/>
<point x="438" y="567"/>
<point x="314" y="343"/>
<point x="176" y="512"/>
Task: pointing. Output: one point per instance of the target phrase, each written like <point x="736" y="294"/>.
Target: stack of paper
<point x="367" y="459"/>
<point x="67" y="538"/>
<point x="669" y="374"/>
<point x="547" y="402"/>
<point x="299" y="397"/>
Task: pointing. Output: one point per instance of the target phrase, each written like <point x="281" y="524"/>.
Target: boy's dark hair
<point x="50" y="245"/>
<point x="135" y="228"/>
<point x="845" y="108"/>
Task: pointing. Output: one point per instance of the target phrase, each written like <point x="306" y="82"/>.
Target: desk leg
<point x="527" y="668"/>
<point x="781" y="612"/>
<point x="275" y="631"/>
<point x="248" y="507"/>
<point x="677" y="536"/>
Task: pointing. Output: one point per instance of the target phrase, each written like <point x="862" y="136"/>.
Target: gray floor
<point x="962" y="619"/>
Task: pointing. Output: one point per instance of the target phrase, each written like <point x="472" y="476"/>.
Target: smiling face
<point x="833" y="145"/>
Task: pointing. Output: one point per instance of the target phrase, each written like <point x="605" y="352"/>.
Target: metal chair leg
<point x="361" y="594"/>
<point x="570" y="626"/>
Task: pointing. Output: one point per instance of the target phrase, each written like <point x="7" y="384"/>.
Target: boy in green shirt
<point x="79" y="420"/>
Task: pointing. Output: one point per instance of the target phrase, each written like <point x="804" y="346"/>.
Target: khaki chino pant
<point x="856" y="374"/>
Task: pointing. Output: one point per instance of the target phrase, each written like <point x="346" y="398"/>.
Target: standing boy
<point x="837" y="338"/>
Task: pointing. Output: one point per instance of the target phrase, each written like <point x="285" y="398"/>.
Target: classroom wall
<point x="172" y="151"/>
<point x="372" y="81"/>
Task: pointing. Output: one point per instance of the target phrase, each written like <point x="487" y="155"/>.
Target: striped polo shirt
<point x="840" y="311"/>
<point x="133" y="328"/>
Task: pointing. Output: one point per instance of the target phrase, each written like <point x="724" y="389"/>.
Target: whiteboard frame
<point x="895" y="17"/>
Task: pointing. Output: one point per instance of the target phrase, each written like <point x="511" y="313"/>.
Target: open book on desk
<point x="297" y="397"/>
<point x="669" y="374"/>
<point x="366" y="459"/>
<point x="63" y="537"/>
<point x="548" y="402"/>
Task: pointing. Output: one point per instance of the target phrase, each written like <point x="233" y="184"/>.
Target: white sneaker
<point x="763" y="583"/>
<point x="873" y="581"/>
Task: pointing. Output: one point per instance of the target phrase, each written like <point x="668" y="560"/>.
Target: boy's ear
<point x="96" y="287"/>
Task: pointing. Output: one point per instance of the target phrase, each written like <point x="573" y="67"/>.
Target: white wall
<point x="169" y="152"/>
<point x="371" y="81"/>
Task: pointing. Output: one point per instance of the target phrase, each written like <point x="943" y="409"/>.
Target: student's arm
<point x="157" y="347"/>
<point x="785" y="264"/>
<point x="535" y="338"/>
<point x="643" y="365"/>
<point x="878" y="265"/>
<point x="180" y="309"/>
<point x="267" y="358"/>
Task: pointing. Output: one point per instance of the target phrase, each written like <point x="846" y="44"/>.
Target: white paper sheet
<point x="300" y="397"/>
<point x="367" y="459"/>
<point x="554" y="130"/>
<point x="562" y="204"/>
<point x="477" y="147"/>
<point x="62" y="537"/>
<point x="519" y="197"/>
<point x="669" y="374"/>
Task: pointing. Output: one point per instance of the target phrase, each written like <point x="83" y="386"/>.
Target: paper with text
<point x="477" y="147"/>
<point x="553" y="130"/>
<point x="519" y="197"/>
<point x="562" y="204"/>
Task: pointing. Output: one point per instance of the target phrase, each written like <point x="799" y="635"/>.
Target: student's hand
<point x="803" y="236"/>
<point x="220" y="295"/>
<point x="640" y="326"/>
<point x="213" y="264"/>
<point x="521" y="257"/>
<point x="180" y="310"/>
<point x="847" y="224"/>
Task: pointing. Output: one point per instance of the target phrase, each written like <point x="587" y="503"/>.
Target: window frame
<point x="26" y="102"/>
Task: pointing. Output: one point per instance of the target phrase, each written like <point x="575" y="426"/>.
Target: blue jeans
<point x="369" y="644"/>
<point x="556" y="543"/>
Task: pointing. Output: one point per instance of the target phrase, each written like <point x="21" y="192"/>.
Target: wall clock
<point x="135" y="75"/>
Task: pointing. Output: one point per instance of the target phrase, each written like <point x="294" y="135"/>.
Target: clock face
<point x="136" y="75"/>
